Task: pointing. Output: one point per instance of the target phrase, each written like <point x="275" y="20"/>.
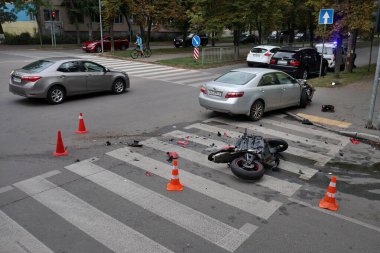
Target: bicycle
<point x="136" y="53"/>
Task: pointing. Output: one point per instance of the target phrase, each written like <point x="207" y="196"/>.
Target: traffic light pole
<point x="101" y="25"/>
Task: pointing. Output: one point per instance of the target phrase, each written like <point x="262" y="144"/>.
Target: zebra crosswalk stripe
<point x="102" y="227"/>
<point x="15" y="239"/>
<point x="200" y="224"/>
<point x="282" y="186"/>
<point x="230" y="196"/>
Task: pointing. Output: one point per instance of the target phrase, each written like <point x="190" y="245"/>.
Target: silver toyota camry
<point x="253" y="91"/>
<point x="56" y="78"/>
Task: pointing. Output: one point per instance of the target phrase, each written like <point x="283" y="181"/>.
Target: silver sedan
<point x="252" y="91"/>
<point x="56" y="78"/>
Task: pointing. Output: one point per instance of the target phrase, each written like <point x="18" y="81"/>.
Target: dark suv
<point x="298" y="62"/>
<point x="178" y="41"/>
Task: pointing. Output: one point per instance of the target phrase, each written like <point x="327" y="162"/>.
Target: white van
<point x="329" y="53"/>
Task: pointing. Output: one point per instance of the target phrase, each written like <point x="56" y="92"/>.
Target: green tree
<point x="6" y="15"/>
<point x="33" y="7"/>
<point x="111" y="10"/>
<point x="75" y="11"/>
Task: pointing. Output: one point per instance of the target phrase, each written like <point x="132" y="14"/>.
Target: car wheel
<point x="257" y="110"/>
<point x="303" y="99"/>
<point x="123" y="47"/>
<point x="305" y="74"/>
<point x="56" y="95"/>
<point x="98" y="49"/>
<point x="118" y="86"/>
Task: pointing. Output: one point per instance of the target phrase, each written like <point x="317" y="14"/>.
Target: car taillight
<point x="267" y="54"/>
<point x="31" y="78"/>
<point x="295" y="63"/>
<point x="234" y="94"/>
<point x="273" y="61"/>
<point x="203" y="90"/>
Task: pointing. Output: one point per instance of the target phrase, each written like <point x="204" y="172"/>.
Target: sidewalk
<point x="351" y="104"/>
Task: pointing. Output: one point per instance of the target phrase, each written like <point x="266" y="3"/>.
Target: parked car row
<point x="180" y="41"/>
<point x="297" y="62"/>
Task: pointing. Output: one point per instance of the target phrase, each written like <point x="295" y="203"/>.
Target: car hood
<point x="86" y="43"/>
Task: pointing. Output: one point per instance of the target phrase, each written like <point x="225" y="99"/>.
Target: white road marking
<point x="102" y="227"/>
<point x="16" y="239"/>
<point x="308" y="130"/>
<point x="369" y="226"/>
<point x="230" y="196"/>
<point x="6" y="189"/>
<point x="200" y="79"/>
<point x="146" y="70"/>
<point x="194" y="221"/>
<point x="319" y="158"/>
<point x="333" y="149"/>
<point x="164" y="74"/>
<point x="188" y="75"/>
<point x="284" y="187"/>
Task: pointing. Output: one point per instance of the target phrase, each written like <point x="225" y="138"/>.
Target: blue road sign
<point x="196" y="41"/>
<point x="326" y="16"/>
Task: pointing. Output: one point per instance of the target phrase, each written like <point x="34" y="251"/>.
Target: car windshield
<point x="326" y="50"/>
<point x="38" y="66"/>
<point x="236" y="77"/>
<point x="285" y="54"/>
<point x="258" y="50"/>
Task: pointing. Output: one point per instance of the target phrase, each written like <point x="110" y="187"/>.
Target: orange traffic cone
<point x="81" y="127"/>
<point x="60" y="149"/>
<point x="328" y="202"/>
<point x="174" y="184"/>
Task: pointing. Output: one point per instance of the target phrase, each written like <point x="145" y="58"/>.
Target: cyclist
<point x="139" y="44"/>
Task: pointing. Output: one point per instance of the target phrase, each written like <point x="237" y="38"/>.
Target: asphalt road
<point x="119" y="201"/>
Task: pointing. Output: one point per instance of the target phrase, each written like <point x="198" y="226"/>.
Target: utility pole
<point x="101" y="25"/>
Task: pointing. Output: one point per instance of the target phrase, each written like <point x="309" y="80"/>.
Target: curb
<point x="363" y="136"/>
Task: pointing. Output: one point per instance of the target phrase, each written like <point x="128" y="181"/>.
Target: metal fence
<point x="223" y="54"/>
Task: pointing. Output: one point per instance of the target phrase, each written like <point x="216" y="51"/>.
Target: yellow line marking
<point x="325" y="121"/>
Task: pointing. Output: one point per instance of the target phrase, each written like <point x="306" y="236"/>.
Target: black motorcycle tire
<point x="240" y="171"/>
<point x="278" y="144"/>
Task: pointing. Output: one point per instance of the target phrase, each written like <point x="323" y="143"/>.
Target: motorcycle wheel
<point x="278" y="144"/>
<point x="239" y="170"/>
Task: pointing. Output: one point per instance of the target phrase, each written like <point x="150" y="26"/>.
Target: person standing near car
<point x="139" y="43"/>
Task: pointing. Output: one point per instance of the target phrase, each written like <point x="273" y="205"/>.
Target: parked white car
<point x="329" y="53"/>
<point x="261" y="55"/>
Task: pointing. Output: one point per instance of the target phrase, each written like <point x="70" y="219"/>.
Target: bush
<point x="26" y="39"/>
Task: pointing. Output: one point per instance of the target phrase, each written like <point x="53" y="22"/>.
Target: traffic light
<point x="53" y="14"/>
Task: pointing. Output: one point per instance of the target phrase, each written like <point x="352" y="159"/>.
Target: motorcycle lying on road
<point x="250" y="154"/>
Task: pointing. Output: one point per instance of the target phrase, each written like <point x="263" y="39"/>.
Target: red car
<point x="95" y="46"/>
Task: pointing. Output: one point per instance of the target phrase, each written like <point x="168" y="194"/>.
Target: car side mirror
<point x="106" y="70"/>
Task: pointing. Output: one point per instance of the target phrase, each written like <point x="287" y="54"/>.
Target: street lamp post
<point x="101" y="24"/>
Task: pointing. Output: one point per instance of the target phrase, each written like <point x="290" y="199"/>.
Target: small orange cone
<point x="60" y="149"/>
<point x="174" y="184"/>
<point x="328" y="202"/>
<point x="81" y="127"/>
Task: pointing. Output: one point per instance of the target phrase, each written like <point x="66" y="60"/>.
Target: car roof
<point x="266" y="46"/>
<point x="59" y="59"/>
<point x="294" y="49"/>
<point x="328" y="44"/>
<point x="256" y="71"/>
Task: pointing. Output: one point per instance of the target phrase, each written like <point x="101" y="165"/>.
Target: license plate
<point x="280" y="62"/>
<point x="16" y="80"/>
<point x="256" y="55"/>
<point x="215" y="93"/>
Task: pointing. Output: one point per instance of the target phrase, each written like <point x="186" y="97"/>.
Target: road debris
<point x="172" y="155"/>
<point x="148" y="174"/>
<point x="183" y="143"/>
<point x="108" y="143"/>
<point x="307" y="122"/>
<point x="328" y="108"/>
<point x="135" y="144"/>
<point x="219" y="134"/>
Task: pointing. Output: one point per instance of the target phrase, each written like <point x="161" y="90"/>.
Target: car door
<point x="290" y="90"/>
<point x="97" y="78"/>
<point x="270" y="91"/>
<point x="72" y="76"/>
<point x="316" y="59"/>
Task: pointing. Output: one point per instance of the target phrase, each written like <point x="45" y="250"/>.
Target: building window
<point x="48" y="15"/>
<point x="119" y="19"/>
